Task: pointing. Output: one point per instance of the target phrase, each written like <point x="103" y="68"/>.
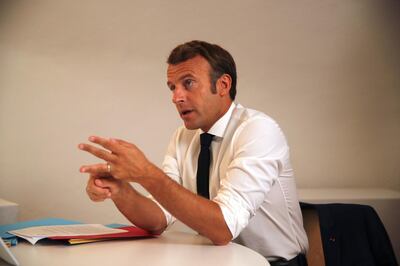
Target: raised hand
<point x="124" y="161"/>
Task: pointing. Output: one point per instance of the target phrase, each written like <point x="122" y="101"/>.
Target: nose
<point x="178" y="95"/>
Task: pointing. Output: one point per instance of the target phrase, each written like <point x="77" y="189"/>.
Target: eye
<point x="188" y="83"/>
<point x="171" y="87"/>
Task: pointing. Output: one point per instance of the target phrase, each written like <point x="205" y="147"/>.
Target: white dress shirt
<point x="251" y="179"/>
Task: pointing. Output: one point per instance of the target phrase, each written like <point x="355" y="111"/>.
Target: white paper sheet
<point x="34" y="234"/>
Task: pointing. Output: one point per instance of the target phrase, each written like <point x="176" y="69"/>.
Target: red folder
<point x="132" y="232"/>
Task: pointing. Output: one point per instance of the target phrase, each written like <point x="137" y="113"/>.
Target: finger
<point x="99" y="153"/>
<point x="99" y="183"/>
<point x="96" y="193"/>
<point x="99" y="170"/>
<point x="122" y="142"/>
<point x="94" y="188"/>
<point x="106" y="183"/>
<point x="99" y="195"/>
<point x="109" y="144"/>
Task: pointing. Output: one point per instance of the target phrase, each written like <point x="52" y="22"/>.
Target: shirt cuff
<point x="235" y="214"/>
<point x="168" y="217"/>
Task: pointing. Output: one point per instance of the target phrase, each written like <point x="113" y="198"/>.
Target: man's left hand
<point x="124" y="160"/>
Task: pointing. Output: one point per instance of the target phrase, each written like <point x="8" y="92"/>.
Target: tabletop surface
<point x="171" y="248"/>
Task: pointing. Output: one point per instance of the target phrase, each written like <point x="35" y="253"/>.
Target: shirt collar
<point x="218" y="129"/>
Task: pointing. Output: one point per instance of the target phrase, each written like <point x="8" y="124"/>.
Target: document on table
<point x="34" y="234"/>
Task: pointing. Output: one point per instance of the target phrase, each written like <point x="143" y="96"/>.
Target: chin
<point x="191" y="126"/>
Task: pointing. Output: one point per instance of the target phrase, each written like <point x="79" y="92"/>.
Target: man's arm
<point x="129" y="164"/>
<point x="200" y="214"/>
<point x="138" y="209"/>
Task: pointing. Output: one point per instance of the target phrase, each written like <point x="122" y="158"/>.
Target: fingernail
<point x="91" y="138"/>
<point x="83" y="169"/>
<point x="80" y="146"/>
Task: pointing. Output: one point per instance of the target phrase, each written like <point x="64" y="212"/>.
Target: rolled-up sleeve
<point x="258" y="147"/>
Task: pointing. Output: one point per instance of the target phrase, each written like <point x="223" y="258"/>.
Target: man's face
<point x="190" y="85"/>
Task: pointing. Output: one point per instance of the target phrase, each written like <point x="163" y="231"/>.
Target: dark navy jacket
<point x="353" y="235"/>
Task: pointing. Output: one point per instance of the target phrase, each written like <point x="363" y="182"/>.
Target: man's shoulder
<point x="242" y="116"/>
<point x="251" y="124"/>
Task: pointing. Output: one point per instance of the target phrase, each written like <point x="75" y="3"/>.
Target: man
<point x="244" y="187"/>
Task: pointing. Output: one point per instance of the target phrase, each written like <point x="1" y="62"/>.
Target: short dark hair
<point x="220" y="60"/>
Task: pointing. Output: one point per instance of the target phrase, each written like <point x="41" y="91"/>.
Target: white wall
<point x="327" y="71"/>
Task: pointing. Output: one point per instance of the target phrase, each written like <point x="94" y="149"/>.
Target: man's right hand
<point x="101" y="188"/>
<point x="138" y="209"/>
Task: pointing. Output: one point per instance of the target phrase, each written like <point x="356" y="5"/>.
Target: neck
<point x="221" y="112"/>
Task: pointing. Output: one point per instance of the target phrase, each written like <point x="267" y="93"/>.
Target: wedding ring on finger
<point x="108" y="167"/>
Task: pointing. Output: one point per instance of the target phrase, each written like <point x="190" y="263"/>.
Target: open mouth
<point x="186" y="112"/>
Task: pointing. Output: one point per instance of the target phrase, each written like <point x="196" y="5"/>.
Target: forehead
<point x="195" y="66"/>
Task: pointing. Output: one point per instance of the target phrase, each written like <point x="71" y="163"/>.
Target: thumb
<point x="108" y="183"/>
<point x="98" y="182"/>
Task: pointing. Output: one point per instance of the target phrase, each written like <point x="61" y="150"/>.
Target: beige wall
<point x="327" y="71"/>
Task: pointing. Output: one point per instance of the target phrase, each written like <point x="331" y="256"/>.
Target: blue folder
<point x="12" y="239"/>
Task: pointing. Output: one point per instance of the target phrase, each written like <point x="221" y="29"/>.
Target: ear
<point x="224" y="84"/>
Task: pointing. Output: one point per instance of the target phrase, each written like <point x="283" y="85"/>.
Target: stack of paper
<point x="70" y="231"/>
<point x="12" y="239"/>
<point x="36" y="233"/>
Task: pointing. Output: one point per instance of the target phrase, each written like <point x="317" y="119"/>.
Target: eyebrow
<point x="169" y="84"/>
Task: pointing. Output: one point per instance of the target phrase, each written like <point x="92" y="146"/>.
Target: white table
<point x="171" y="248"/>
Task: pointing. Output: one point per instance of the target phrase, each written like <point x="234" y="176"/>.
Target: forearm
<point x="202" y="215"/>
<point x="140" y="210"/>
<point x="127" y="163"/>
